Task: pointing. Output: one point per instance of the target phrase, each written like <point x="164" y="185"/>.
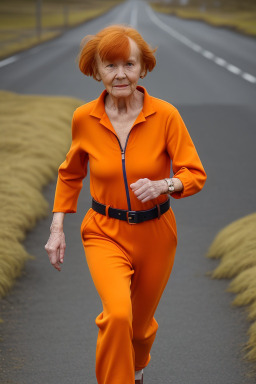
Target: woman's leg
<point x="153" y="260"/>
<point x="111" y="272"/>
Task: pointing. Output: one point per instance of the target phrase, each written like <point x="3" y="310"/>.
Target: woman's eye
<point x="130" y="64"/>
<point x="110" y="65"/>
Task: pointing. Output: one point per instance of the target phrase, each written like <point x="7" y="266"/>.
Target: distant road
<point x="209" y="74"/>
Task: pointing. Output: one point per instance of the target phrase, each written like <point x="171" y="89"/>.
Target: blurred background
<point x="24" y="23"/>
<point x="206" y="68"/>
<point x="237" y="14"/>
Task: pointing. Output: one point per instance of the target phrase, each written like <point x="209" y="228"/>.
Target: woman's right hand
<point x="55" y="247"/>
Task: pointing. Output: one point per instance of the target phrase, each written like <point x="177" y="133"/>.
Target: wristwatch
<point x="170" y="185"/>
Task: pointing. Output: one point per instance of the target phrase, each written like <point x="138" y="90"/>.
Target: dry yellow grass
<point x="235" y="246"/>
<point x="35" y="135"/>
<point x="236" y="14"/>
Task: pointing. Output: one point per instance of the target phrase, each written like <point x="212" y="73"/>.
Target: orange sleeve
<point x="70" y="175"/>
<point x="186" y="163"/>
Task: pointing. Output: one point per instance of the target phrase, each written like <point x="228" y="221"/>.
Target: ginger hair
<point x="112" y="43"/>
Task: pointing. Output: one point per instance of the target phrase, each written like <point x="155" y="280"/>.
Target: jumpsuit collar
<point x="99" y="109"/>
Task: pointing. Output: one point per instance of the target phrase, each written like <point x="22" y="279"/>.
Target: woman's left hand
<point x="145" y="189"/>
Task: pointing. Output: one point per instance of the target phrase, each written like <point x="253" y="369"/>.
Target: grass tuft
<point x="235" y="239"/>
<point x="35" y="136"/>
<point x="251" y="354"/>
<point x="235" y="246"/>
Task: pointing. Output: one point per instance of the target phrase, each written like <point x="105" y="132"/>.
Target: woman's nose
<point x="120" y="72"/>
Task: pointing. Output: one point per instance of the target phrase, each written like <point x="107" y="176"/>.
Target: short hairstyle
<point x="112" y="43"/>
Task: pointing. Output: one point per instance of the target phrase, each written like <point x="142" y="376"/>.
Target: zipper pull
<point x="122" y="155"/>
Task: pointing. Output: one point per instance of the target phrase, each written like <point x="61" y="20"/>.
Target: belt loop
<point x="107" y="208"/>
<point x="158" y="211"/>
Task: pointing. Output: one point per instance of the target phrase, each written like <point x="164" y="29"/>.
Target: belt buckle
<point x="131" y="215"/>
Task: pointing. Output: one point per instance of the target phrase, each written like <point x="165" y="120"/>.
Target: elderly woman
<point x="129" y="235"/>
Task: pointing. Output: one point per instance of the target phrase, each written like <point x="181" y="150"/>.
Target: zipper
<point x="124" y="171"/>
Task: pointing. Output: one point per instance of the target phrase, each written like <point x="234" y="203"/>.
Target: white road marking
<point x="7" y="61"/>
<point x="197" y="48"/>
<point x="209" y="55"/>
<point x="220" y="61"/>
<point x="248" y="77"/>
<point x="134" y="15"/>
<point x="233" y="69"/>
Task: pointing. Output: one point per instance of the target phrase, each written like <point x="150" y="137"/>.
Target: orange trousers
<point x="130" y="266"/>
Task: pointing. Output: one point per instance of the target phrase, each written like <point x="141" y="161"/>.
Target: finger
<point x="137" y="184"/>
<point x="62" y="252"/>
<point x="141" y="190"/>
<point x="146" y="199"/>
<point x="62" y="249"/>
<point x="54" y="256"/>
<point x="57" y="266"/>
<point x="56" y="262"/>
<point x="142" y="187"/>
<point x="143" y="196"/>
<point x="58" y="255"/>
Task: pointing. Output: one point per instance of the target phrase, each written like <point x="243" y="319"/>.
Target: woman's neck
<point x="125" y="104"/>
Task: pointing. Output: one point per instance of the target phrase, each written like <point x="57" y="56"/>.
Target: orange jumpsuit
<point x="129" y="264"/>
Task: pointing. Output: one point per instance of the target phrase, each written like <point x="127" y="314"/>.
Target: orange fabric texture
<point x="158" y="135"/>
<point x="129" y="264"/>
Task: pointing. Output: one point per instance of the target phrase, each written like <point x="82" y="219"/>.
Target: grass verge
<point x="234" y="14"/>
<point x="235" y="246"/>
<point x="33" y="143"/>
<point x="21" y="29"/>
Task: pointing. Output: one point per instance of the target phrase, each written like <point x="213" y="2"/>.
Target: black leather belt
<point x="132" y="217"/>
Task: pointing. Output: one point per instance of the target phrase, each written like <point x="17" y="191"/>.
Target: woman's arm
<point x="57" y="222"/>
<point x="71" y="174"/>
<point x="186" y="164"/>
<point x="69" y="183"/>
<point x="55" y="246"/>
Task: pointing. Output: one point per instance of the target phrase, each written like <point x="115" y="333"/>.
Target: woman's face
<point x="120" y="77"/>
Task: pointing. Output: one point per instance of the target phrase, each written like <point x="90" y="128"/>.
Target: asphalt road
<point x="209" y="74"/>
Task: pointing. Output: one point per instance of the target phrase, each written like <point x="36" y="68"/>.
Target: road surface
<point x="209" y="74"/>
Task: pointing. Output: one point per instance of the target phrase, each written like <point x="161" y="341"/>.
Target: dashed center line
<point x="220" y="61"/>
<point x="234" y="69"/>
<point x="209" y="55"/>
<point x="197" y="48"/>
<point x="14" y="58"/>
<point x="5" y="62"/>
<point x="249" y="77"/>
<point x="178" y="36"/>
